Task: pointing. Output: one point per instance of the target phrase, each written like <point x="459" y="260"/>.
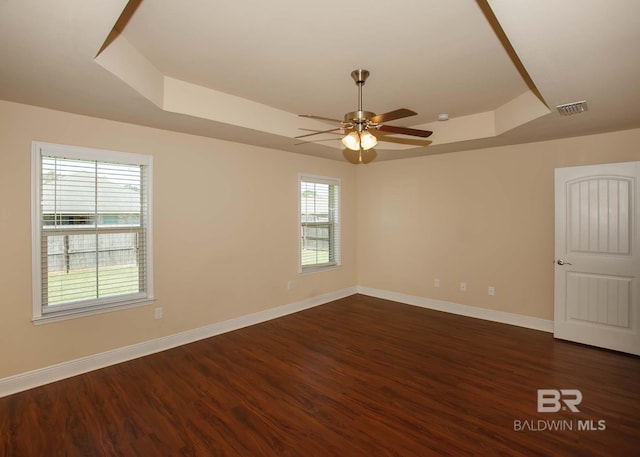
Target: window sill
<point x="77" y="313"/>
<point x="318" y="269"/>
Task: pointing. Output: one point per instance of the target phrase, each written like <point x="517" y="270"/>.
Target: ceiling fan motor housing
<point x="358" y="117"/>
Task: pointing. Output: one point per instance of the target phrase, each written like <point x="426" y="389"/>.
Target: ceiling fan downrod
<point x="360" y="77"/>
<point x="359" y="117"/>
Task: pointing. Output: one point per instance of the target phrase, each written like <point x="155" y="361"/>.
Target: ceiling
<point x="243" y="70"/>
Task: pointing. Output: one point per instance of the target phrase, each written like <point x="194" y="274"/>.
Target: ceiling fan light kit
<point x="360" y="121"/>
<point x="356" y="141"/>
<point x="352" y="141"/>
<point x="367" y="140"/>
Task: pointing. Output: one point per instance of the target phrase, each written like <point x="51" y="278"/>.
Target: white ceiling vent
<point x="572" y="108"/>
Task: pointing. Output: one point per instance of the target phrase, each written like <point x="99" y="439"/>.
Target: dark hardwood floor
<point x="356" y="377"/>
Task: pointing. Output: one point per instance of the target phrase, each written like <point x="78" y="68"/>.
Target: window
<point x="319" y="223"/>
<point x="92" y="246"/>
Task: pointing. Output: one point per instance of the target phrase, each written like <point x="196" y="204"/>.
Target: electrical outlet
<point x="289" y="285"/>
<point x="157" y="313"/>
<point x="436" y="283"/>
<point x="463" y="287"/>
<point x="492" y="290"/>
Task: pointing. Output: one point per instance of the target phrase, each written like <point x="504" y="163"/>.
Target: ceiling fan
<point x="358" y="140"/>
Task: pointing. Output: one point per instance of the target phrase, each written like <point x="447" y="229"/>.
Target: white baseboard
<point x="39" y="377"/>
<point x="519" y="320"/>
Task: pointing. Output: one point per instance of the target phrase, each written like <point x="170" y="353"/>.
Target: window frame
<point x="93" y="306"/>
<point x="336" y="224"/>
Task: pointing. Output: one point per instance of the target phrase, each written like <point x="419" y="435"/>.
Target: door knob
<point x="562" y="262"/>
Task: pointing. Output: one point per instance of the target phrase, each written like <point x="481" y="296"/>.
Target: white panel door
<point x="597" y="264"/>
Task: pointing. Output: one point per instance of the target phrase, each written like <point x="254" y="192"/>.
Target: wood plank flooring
<point x="356" y="377"/>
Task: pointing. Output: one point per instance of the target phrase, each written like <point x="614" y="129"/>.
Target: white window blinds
<point x="93" y="219"/>
<point x="319" y="222"/>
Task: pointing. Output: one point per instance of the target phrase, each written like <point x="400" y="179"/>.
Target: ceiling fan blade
<point x="404" y="130"/>
<point x="317" y="132"/>
<point x="388" y="137"/>
<point x="322" y="131"/>
<point x="320" y="118"/>
<point x="392" y="115"/>
<point x="315" y="141"/>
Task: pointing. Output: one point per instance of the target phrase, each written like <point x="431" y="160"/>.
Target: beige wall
<point x="485" y="217"/>
<point x="225" y="227"/>
<point x="225" y="234"/>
